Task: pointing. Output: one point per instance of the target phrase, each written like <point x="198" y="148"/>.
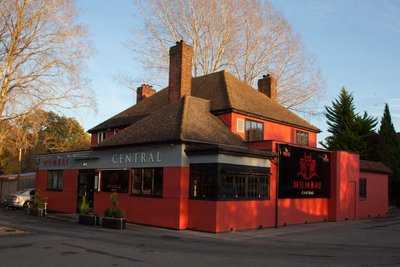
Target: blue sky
<point x="355" y="43"/>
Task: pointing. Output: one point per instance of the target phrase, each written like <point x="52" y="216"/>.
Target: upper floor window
<point x="302" y="138"/>
<point x="55" y="180"/>
<point x="254" y="130"/>
<point x="100" y="137"/>
<point x="240" y="125"/>
<point x="363" y="188"/>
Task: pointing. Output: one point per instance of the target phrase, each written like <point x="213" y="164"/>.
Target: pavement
<point x="60" y="241"/>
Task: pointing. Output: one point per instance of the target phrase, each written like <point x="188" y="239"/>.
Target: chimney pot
<point x="180" y="71"/>
<point x="268" y="86"/>
<point x="144" y="91"/>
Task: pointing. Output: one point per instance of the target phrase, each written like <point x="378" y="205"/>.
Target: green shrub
<point x="118" y="213"/>
<point x="108" y="212"/>
<point x="114" y="211"/>
<point x="38" y="202"/>
<point x="84" y="206"/>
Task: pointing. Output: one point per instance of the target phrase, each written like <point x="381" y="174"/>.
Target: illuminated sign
<point x="303" y="173"/>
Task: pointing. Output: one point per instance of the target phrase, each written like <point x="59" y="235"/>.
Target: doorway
<point x="86" y="186"/>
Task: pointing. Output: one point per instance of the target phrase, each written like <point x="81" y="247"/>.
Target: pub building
<point x="212" y="154"/>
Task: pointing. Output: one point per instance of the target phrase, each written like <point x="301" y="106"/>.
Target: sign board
<point x="303" y="173"/>
<point x="115" y="158"/>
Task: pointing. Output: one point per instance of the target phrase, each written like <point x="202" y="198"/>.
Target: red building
<point x="213" y="154"/>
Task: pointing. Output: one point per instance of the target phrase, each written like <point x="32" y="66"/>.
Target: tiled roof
<point x="225" y="93"/>
<point x="189" y="120"/>
<point x="374" y="166"/>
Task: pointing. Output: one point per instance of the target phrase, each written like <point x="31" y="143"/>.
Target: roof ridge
<point x="208" y="74"/>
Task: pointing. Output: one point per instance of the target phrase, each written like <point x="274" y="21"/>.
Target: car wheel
<point x="27" y="204"/>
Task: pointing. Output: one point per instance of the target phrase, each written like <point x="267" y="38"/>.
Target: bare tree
<point x="42" y="50"/>
<point x="247" y="37"/>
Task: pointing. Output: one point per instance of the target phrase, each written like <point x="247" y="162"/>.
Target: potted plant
<point x="39" y="206"/>
<point x="86" y="217"/>
<point x="114" y="216"/>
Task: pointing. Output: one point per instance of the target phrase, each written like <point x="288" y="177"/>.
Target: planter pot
<point x="88" y="219"/>
<point x="37" y="212"/>
<point x="114" y="223"/>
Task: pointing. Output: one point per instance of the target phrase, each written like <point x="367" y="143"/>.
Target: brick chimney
<point x="144" y="91"/>
<point x="180" y="71"/>
<point x="268" y="86"/>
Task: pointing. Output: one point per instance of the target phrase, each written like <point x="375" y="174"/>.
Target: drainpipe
<point x="277" y="187"/>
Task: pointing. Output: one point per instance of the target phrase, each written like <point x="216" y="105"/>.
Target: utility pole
<point x="19" y="167"/>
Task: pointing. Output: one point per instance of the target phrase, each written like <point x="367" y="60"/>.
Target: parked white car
<point x="21" y="199"/>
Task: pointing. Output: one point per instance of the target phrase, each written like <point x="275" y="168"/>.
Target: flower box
<point x="37" y="212"/>
<point x="88" y="219"/>
<point x="114" y="223"/>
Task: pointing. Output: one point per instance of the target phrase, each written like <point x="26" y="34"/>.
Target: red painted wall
<point x="175" y="210"/>
<point x="376" y="203"/>
<point x="93" y="139"/>
<point x="170" y="211"/>
<point x="297" y="211"/>
<point x="241" y="215"/>
<point x="272" y="130"/>
<point x="343" y="204"/>
<point x="223" y="216"/>
<point x="202" y="215"/>
<point x="61" y="201"/>
<point x="143" y="210"/>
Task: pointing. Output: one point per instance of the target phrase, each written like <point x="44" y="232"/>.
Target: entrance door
<point x="86" y="186"/>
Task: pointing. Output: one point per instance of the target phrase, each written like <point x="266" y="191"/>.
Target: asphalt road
<point x="49" y="242"/>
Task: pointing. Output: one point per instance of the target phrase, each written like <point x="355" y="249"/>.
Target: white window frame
<point x="101" y="136"/>
<point x="240" y="125"/>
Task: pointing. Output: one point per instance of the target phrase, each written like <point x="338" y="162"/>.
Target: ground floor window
<point x="55" y="180"/>
<point x="228" y="182"/>
<point x="363" y="188"/>
<point x="203" y="181"/>
<point x="115" y="181"/>
<point x="147" y="181"/>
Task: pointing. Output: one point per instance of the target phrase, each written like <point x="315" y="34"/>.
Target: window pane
<point x="203" y="181"/>
<point x="115" y="181"/>
<point x="137" y="181"/>
<point x="301" y="138"/>
<point x="254" y="130"/>
<point x="60" y="183"/>
<point x="147" y="181"/>
<point x="158" y="181"/>
<point x="49" y="179"/>
<point x="55" y="180"/>
<point x="227" y="187"/>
